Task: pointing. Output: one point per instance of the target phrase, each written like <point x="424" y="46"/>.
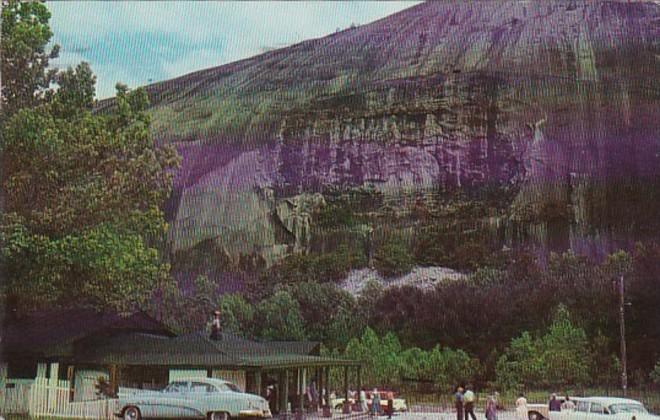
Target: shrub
<point x="655" y="373"/>
<point x="392" y="258"/>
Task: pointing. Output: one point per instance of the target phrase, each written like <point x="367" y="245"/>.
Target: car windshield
<point x="177" y="387"/>
<point x="228" y="386"/>
<point x="627" y="408"/>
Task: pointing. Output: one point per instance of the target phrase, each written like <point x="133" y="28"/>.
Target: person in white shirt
<point x="522" y="413"/>
<point x="364" y="407"/>
<point x="468" y="400"/>
<point x="568" y="404"/>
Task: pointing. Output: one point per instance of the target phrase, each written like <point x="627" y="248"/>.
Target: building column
<point x="284" y="392"/>
<point x="114" y="387"/>
<point x="359" y="385"/>
<point x="328" y="385"/>
<point x="257" y="382"/>
<point x="321" y="385"/>
<point x="347" y="403"/>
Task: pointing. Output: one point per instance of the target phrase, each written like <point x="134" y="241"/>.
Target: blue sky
<point x="142" y="42"/>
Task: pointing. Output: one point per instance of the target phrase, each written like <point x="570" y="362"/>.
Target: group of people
<point x="464" y="400"/>
<point x="557" y="405"/>
<point x="361" y="400"/>
<point x="375" y="403"/>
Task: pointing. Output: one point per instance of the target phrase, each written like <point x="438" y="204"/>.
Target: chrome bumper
<point x="264" y="414"/>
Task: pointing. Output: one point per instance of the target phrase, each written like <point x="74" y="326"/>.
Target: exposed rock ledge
<point x="421" y="277"/>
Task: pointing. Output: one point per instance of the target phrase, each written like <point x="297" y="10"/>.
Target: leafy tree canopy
<point x="81" y="191"/>
<point x="24" y="64"/>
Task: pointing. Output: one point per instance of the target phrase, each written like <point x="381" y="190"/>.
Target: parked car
<point x="400" y="404"/>
<point x="541" y="411"/>
<point x="604" y="408"/>
<point x="207" y="398"/>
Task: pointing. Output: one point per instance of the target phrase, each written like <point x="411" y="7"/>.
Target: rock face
<point x="425" y="278"/>
<point x="444" y="96"/>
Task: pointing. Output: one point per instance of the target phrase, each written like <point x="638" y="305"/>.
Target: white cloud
<point x="139" y="42"/>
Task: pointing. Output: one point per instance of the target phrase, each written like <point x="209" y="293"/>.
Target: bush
<point x="321" y="268"/>
<point x="655" y="373"/>
<point x="392" y="258"/>
<point x="388" y="364"/>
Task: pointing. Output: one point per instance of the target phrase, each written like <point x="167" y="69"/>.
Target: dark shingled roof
<point x="198" y="349"/>
<point x="86" y="336"/>
<point x="52" y="333"/>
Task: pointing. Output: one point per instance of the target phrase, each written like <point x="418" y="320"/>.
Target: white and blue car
<point x="204" y="398"/>
<point x="602" y="408"/>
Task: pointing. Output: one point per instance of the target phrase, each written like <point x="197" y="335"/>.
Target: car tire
<point x="218" y="415"/>
<point x="535" y="415"/>
<point x="131" y="413"/>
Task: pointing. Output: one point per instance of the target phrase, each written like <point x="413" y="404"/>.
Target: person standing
<point x="568" y="404"/>
<point x="458" y="403"/>
<point x="216" y="326"/>
<point x="468" y="401"/>
<point x="491" y="408"/>
<point x="363" y="401"/>
<point x="522" y="413"/>
<point x="390" y="404"/>
<point x="554" y="404"/>
<point x="375" y="403"/>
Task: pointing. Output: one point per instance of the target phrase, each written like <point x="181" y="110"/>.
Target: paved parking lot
<point x="412" y="415"/>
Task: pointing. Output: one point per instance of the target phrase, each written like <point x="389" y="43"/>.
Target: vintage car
<point x="207" y="398"/>
<point x="541" y="411"/>
<point x="400" y="404"/>
<point x="600" y="408"/>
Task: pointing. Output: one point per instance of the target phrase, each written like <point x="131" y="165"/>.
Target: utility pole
<point x="622" y="329"/>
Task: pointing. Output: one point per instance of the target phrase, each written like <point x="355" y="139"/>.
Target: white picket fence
<point x="15" y="397"/>
<point x="42" y="398"/>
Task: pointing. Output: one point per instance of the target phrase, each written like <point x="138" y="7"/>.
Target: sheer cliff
<point x="544" y="112"/>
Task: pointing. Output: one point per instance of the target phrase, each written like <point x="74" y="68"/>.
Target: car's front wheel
<point x="534" y="415"/>
<point x="218" y="415"/>
<point x="131" y="413"/>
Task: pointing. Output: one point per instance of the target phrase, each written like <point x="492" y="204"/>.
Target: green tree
<point x="565" y="352"/>
<point x="82" y="192"/>
<point x="562" y="356"/>
<point x="329" y="312"/>
<point x="414" y="363"/>
<point x="24" y="63"/>
<point x="279" y="318"/>
<point x="520" y="364"/>
<point x="448" y="367"/>
<point x="237" y="315"/>
<point x="380" y="357"/>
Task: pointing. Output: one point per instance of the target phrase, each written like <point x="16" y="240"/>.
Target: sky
<point x="138" y="43"/>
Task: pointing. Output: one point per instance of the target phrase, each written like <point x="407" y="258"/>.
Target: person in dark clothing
<point x="458" y="403"/>
<point x="216" y="326"/>
<point x="554" y="404"/>
<point x="390" y="404"/>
